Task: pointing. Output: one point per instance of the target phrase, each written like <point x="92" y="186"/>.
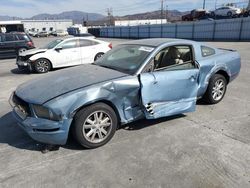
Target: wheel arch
<point x="95" y="58"/>
<point x="105" y="101"/>
<point x="51" y="65"/>
<point x="223" y="73"/>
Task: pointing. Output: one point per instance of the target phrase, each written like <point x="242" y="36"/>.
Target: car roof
<point x="155" y="42"/>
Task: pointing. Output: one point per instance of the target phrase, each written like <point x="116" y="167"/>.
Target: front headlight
<point x="43" y="112"/>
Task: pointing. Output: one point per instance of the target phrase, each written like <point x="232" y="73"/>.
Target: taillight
<point x="30" y="44"/>
<point x="110" y="45"/>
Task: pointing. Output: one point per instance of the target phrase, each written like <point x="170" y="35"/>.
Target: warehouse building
<point x="35" y="25"/>
<point x="46" y="25"/>
<point x="8" y="26"/>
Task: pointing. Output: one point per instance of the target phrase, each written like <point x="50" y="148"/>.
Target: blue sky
<point x="28" y="8"/>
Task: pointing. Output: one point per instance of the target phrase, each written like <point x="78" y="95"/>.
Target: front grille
<point x="21" y="104"/>
<point x="23" y="58"/>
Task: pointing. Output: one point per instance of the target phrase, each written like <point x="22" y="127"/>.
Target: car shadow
<point x="26" y="71"/>
<point x="12" y="135"/>
<point x="146" y="123"/>
<point x="20" y="71"/>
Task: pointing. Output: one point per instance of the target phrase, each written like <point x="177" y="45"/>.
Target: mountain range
<point x="79" y="16"/>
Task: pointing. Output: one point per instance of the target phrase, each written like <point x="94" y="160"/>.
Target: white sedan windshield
<point x="52" y="44"/>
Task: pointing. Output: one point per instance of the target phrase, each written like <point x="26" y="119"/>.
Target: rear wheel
<point x="42" y="66"/>
<point x="95" y="125"/>
<point x="99" y="55"/>
<point x="229" y="14"/>
<point x="216" y="89"/>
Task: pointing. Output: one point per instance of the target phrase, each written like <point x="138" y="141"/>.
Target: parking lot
<point x="207" y="148"/>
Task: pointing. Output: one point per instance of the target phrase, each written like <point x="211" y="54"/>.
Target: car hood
<point x="54" y="84"/>
<point x="32" y="52"/>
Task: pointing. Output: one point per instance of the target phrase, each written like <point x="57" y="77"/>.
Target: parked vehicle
<point x="11" y="44"/>
<point x="150" y="78"/>
<point x="226" y="11"/>
<point x="195" y="14"/>
<point x="32" y="33"/>
<point x="59" y="33"/>
<point x="246" y="11"/>
<point x="63" y="53"/>
<point x="85" y="35"/>
<point x="41" y="34"/>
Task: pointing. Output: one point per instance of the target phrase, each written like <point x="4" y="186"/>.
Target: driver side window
<point x="69" y="44"/>
<point x="177" y="57"/>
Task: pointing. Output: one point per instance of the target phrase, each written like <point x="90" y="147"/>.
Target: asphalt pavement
<point x="207" y="148"/>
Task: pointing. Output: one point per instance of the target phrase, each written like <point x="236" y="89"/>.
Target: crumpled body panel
<point x="122" y="93"/>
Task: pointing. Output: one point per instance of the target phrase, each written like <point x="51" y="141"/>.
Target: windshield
<point x="52" y="44"/>
<point x="125" y="58"/>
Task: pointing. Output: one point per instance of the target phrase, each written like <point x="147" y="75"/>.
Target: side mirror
<point x="58" y="49"/>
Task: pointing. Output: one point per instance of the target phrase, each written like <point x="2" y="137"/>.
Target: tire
<point x="42" y="66"/>
<point x="97" y="56"/>
<point x="229" y="14"/>
<point x="87" y="132"/>
<point x="215" y="93"/>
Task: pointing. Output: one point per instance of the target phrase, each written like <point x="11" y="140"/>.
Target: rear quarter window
<point x="207" y="51"/>
<point x="23" y="37"/>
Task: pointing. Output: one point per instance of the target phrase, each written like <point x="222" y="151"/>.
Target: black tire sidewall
<point x="80" y="118"/>
<point x="208" y="95"/>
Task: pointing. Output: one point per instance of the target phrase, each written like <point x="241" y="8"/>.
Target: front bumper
<point x="40" y="129"/>
<point x="43" y="130"/>
<point x="24" y="64"/>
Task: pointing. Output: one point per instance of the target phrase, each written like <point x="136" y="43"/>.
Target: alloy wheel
<point x="97" y="127"/>
<point x="42" y="66"/>
<point x="218" y="89"/>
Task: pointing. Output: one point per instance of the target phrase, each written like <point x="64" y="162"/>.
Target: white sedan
<point x="226" y="11"/>
<point x="63" y="53"/>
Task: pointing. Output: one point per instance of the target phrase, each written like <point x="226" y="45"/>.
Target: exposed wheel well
<point x="105" y="102"/>
<point x="224" y="73"/>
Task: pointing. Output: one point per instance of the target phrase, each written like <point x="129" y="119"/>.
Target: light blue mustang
<point x="149" y="78"/>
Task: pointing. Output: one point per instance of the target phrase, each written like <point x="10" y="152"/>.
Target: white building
<point x="139" y="22"/>
<point x="46" y="25"/>
<point x="8" y="26"/>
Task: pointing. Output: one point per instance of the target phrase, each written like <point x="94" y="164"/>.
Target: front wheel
<point x="42" y="66"/>
<point x="216" y="89"/>
<point x="95" y="125"/>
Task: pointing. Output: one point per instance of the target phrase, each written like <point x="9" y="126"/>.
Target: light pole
<point x="204" y="4"/>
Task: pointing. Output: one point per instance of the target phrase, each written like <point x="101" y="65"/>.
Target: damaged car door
<point x="170" y="89"/>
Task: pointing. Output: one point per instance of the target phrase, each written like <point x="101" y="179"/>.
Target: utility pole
<point x="162" y="5"/>
<point x="204" y="4"/>
<point x="110" y="15"/>
<point x="166" y="13"/>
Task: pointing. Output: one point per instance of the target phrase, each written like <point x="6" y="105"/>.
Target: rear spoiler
<point x="227" y="49"/>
